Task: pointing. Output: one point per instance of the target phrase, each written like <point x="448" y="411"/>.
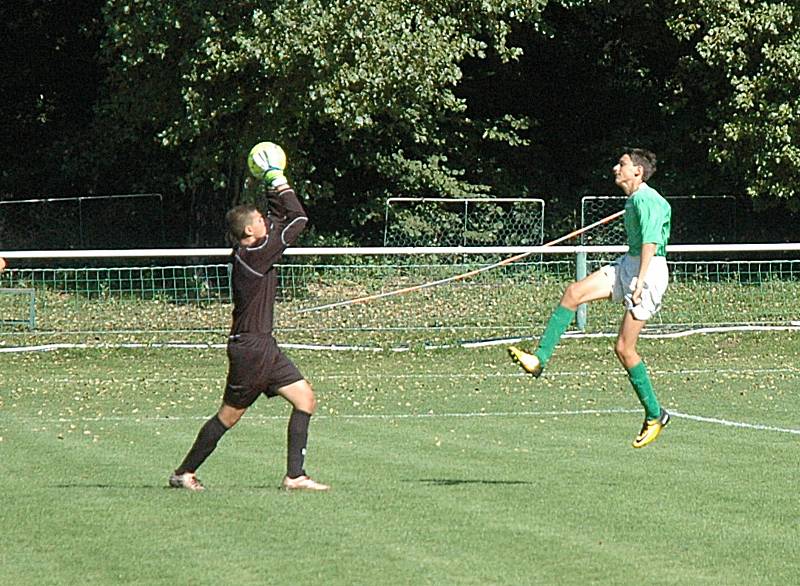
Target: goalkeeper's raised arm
<point x="267" y="161"/>
<point x="287" y="213"/>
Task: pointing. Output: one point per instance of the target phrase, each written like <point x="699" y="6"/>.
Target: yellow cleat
<point x="530" y="363"/>
<point x="651" y="429"/>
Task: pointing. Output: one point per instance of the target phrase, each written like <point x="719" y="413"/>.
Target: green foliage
<point x="747" y="55"/>
<point x="377" y="98"/>
<point x="359" y="92"/>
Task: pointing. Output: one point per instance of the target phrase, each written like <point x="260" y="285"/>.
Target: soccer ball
<point x="269" y="154"/>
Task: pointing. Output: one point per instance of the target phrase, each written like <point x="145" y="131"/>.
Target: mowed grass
<point x="448" y="467"/>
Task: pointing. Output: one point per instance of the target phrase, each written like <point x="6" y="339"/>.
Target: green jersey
<point x="647" y="220"/>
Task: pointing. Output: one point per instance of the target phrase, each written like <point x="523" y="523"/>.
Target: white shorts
<point x="623" y="274"/>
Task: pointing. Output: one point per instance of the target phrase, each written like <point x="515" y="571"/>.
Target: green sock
<point x="644" y="390"/>
<point x="557" y="325"/>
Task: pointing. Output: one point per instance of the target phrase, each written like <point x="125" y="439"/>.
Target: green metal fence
<point x="515" y="300"/>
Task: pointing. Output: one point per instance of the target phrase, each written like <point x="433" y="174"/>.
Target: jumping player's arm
<point x="648" y="252"/>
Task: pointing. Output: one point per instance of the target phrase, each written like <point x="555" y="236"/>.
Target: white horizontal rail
<point x="391" y="250"/>
<point x="465" y="199"/>
<point x="82" y="198"/>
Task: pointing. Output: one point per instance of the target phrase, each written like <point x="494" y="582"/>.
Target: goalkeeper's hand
<point x="273" y="174"/>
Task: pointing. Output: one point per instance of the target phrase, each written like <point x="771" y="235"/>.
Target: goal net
<point x="720" y="210"/>
<point x="98" y="221"/>
<point x="463" y="222"/>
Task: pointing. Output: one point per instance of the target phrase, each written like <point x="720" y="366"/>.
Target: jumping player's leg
<point x="596" y="286"/>
<point x="625" y="349"/>
<point x="304" y="404"/>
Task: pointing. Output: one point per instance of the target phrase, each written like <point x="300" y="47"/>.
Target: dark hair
<point x="238" y="219"/>
<point x="643" y="158"/>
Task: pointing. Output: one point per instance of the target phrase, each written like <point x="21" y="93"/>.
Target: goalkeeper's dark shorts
<point x="256" y="366"/>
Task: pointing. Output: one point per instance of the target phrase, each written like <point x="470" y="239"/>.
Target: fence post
<point x="580" y="273"/>
<point x="32" y="310"/>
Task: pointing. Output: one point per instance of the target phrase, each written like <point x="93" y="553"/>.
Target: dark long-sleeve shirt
<point x="255" y="281"/>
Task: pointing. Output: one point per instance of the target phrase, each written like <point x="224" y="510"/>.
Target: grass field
<point x="448" y="467"/>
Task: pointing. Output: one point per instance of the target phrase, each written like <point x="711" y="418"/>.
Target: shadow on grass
<point x="457" y="482"/>
<point x="108" y="486"/>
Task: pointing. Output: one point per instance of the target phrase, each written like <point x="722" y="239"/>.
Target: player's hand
<point x="273" y="174"/>
<point x="2" y="264"/>
<point x="637" y="286"/>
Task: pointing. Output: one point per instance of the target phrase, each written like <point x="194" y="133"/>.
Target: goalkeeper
<point x="638" y="279"/>
<point x="256" y="364"/>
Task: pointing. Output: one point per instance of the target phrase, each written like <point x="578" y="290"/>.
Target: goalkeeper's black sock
<point x="207" y="439"/>
<point x="297" y="436"/>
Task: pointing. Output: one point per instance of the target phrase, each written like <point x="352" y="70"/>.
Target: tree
<point x="744" y="67"/>
<point x="48" y="83"/>
<point x="361" y="94"/>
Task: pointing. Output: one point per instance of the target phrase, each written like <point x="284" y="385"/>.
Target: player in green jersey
<point x="638" y="279"/>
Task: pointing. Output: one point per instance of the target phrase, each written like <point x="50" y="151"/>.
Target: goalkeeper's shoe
<point x="187" y="480"/>
<point x="651" y="429"/>
<point x="530" y="363"/>
<point x="303" y="483"/>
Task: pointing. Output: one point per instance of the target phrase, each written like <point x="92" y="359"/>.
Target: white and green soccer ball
<point x="264" y="157"/>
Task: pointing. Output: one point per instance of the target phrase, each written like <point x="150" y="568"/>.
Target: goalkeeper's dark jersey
<point x="255" y="281"/>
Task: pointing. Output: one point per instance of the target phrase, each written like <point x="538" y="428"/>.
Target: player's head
<point x="644" y="159"/>
<point x="245" y="221"/>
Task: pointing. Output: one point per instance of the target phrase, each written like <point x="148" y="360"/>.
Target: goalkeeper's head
<point x="245" y="224"/>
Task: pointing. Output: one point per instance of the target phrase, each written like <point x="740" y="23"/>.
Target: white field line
<point x="412" y="416"/>
<point x="583" y="373"/>
<point x="738" y="424"/>
<point x="793" y="326"/>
